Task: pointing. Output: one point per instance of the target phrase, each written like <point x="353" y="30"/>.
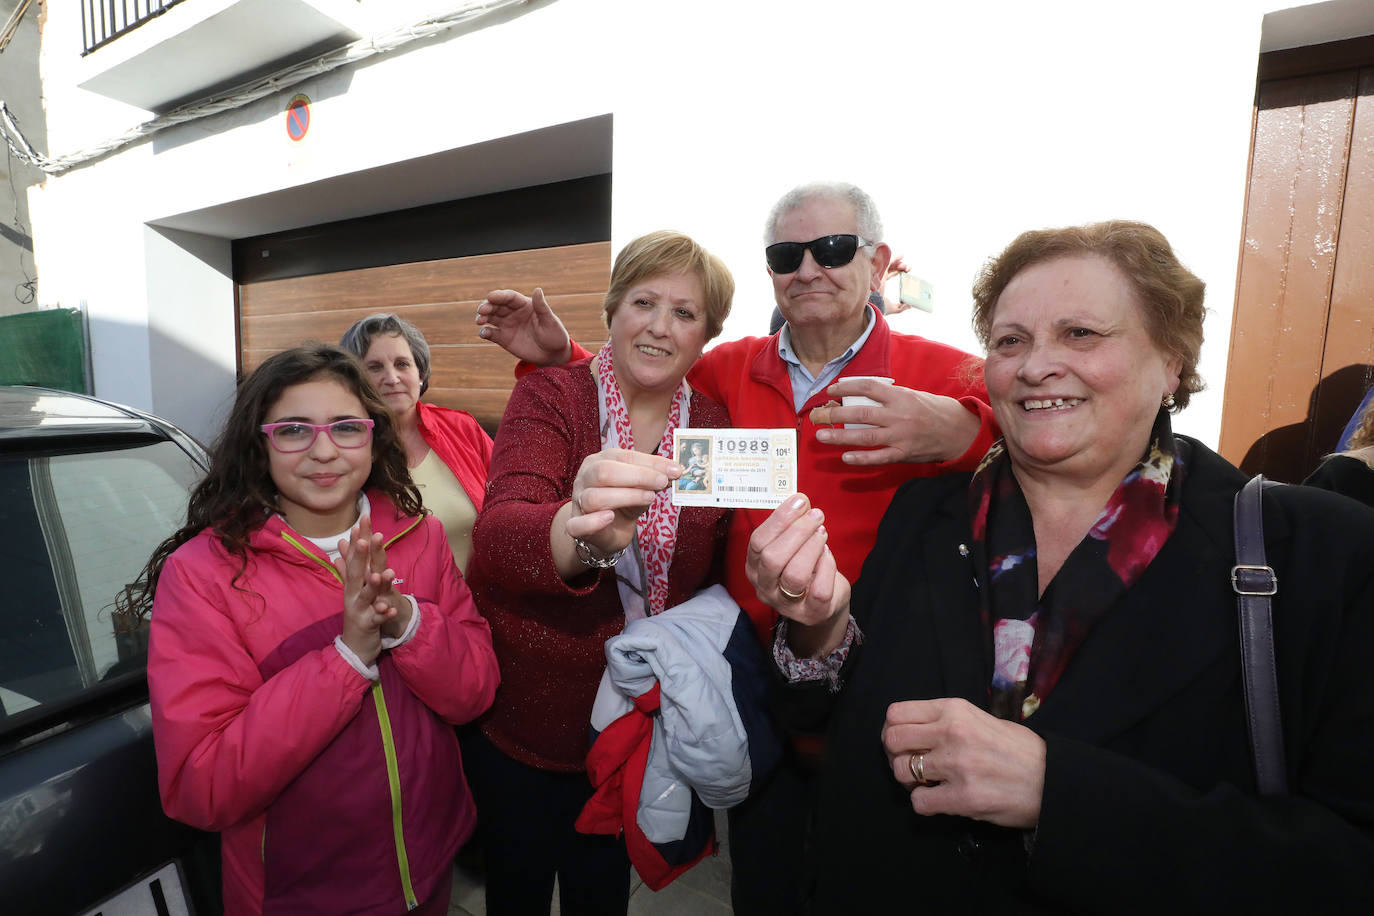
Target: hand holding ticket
<point x="735" y="468"/>
<point x="612" y="489"/>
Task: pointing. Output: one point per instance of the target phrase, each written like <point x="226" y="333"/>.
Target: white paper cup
<point x="854" y="400"/>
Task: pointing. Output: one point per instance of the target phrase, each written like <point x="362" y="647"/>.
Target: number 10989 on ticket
<point x="736" y="468"/>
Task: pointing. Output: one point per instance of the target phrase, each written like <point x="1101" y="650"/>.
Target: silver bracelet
<point x="588" y="555"/>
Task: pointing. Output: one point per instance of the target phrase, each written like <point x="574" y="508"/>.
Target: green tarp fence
<point x="43" y="348"/>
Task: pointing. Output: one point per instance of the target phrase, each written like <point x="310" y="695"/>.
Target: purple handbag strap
<point x="1255" y="583"/>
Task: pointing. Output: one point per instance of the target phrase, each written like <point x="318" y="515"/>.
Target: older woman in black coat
<point x="1033" y="693"/>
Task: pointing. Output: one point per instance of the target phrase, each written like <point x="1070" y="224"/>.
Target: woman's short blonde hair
<point x="1170" y="296"/>
<point x="666" y="252"/>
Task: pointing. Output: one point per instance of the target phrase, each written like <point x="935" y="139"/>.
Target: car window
<point x="77" y="527"/>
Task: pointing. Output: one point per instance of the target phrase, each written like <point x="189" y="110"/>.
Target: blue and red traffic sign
<point x="298" y="118"/>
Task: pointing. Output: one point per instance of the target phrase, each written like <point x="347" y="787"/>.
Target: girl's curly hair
<point x="237" y="495"/>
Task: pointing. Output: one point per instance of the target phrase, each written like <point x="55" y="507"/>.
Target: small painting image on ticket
<point x="735" y="468"/>
<point x="694" y="454"/>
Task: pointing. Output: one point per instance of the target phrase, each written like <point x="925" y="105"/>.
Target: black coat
<point x="1344" y="475"/>
<point x="1149" y="802"/>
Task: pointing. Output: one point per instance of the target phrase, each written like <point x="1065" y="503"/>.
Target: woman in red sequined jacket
<point x="578" y="534"/>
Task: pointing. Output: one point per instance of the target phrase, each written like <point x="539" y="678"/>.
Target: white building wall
<point x="20" y="93"/>
<point x="968" y="122"/>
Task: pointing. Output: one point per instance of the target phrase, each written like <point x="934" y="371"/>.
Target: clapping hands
<point x="373" y="608"/>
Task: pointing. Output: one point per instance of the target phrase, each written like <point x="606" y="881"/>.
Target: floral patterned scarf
<point x="1032" y="639"/>
<point x="644" y="587"/>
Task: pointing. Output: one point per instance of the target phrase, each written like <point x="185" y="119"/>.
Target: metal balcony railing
<point x="102" y="21"/>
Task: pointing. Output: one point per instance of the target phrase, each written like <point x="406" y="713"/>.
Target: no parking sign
<point x="298" y="118"/>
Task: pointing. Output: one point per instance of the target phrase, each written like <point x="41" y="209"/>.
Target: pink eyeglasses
<point x="295" y="436"/>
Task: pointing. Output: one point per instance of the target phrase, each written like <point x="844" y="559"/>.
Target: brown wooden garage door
<point x="432" y="266"/>
<point x="440" y="298"/>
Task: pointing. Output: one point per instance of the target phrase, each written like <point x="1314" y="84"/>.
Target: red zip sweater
<point x="461" y="444"/>
<point x="750" y="379"/>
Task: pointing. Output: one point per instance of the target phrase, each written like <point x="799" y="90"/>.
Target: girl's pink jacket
<point x="334" y="793"/>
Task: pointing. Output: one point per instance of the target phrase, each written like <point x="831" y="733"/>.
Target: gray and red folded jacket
<point x="680" y="726"/>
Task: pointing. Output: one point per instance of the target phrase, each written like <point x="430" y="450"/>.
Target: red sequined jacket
<point x="550" y="635"/>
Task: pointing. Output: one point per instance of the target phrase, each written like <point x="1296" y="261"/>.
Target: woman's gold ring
<point x="791" y="597"/>
<point x="916" y="763"/>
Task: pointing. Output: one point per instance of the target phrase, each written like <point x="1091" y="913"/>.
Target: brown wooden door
<point x="1302" y="341"/>
<point x="439" y="297"/>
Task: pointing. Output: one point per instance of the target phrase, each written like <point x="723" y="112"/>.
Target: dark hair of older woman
<point x="1033" y="693"/>
<point x="579" y="535"/>
<point x="446" y="450"/>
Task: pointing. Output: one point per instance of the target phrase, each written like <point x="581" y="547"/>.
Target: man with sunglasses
<point x="825" y="254"/>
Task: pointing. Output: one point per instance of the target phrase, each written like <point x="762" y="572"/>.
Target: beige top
<point x="445" y="497"/>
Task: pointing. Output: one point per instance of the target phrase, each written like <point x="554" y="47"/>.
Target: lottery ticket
<point x="736" y="468"/>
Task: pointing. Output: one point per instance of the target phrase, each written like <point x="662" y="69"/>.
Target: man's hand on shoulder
<point x="524" y="326"/>
<point x="905" y="425"/>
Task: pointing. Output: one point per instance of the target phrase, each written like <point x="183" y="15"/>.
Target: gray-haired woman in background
<point x="446" y="450"/>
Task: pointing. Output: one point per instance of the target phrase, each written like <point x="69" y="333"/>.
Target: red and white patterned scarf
<point x="656" y="532"/>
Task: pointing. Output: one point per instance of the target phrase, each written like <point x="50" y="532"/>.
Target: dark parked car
<point x="87" y="490"/>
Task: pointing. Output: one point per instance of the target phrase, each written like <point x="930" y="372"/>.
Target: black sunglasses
<point x="828" y="250"/>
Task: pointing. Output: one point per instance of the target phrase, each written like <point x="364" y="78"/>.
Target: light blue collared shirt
<point x="804" y="384"/>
